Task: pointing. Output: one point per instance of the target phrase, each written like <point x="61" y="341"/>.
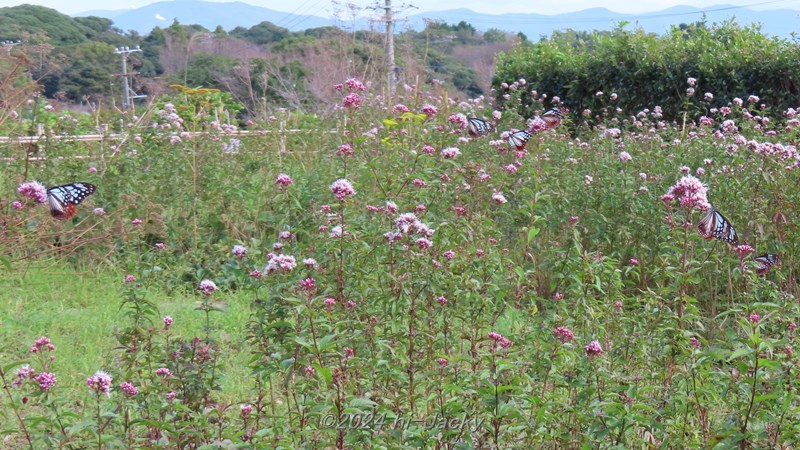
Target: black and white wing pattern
<point x="62" y="199"/>
<point x="519" y="139"/>
<point x="765" y="262"/>
<point x="553" y="116"/>
<point x="715" y="225"/>
<point x="478" y="127"/>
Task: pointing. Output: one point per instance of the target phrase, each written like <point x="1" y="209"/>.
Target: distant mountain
<point x="107" y="13"/>
<point x="208" y="14"/>
<point x="781" y="22"/>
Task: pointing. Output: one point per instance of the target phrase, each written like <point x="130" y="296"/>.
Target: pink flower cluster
<point x="537" y="125"/>
<point x="309" y="284"/>
<point x="458" y="119"/>
<point x="246" y="409"/>
<point x="499" y="198"/>
<point x="283" y="181"/>
<point x="563" y="334"/>
<point x="352" y="101"/>
<point x="284" y="263"/>
<point x="22" y="374"/>
<point x="743" y="250"/>
<point x="342" y="188"/>
<point x="353" y="85"/>
<point x="33" y="190"/>
<point x="429" y="110"/>
<point x="345" y="150"/>
<point x="593" y="349"/>
<point x="46" y="380"/>
<point x="400" y="109"/>
<point x="450" y="152"/>
<point x="690" y="193"/>
<point x="41" y="344"/>
<point x="409" y="223"/>
<point x="500" y="339"/>
<point x="207" y="287"/>
<point x="100" y="382"/>
<point x="239" y="251"/>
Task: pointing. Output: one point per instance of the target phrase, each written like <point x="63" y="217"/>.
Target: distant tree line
<point x="73" y="58"/>
<point x="647" y="70"/>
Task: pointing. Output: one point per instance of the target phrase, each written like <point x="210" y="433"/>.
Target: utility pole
<point x="390" y="67"/>
<point x="389" y="17"/>
<point x="129" y="94"/>
<point x="8" y="45"/>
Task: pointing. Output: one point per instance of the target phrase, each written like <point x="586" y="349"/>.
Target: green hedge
<point x="646" y="69"/>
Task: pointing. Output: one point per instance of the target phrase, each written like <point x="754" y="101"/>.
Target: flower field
<point x="412" y="279"/>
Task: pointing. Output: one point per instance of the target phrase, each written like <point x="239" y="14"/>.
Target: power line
<point x="293" y="13"/>
<point x="299" y="19"/>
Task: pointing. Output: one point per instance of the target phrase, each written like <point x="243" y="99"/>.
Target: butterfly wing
<point x="707" y="225"/>
<point x="553" y="116"/>
<point x="724" y="231"/>
<point x="519" y="139"/>
<point x="63" y="199"/>
<point x="765" y="262"/>
<point x="478" y="127"/>
<point x="715" y="225"/>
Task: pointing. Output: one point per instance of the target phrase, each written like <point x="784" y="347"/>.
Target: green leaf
<point x="739" y="353"/>
<point x="532" y="233"/>
<point x="325" y="372"/>
<point x="361" y="403"/>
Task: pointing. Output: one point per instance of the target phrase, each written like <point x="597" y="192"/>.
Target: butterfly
<point x="478" y="127"/>
<point x="63" y="199"/>
<point x="519" y="139"/>
<point x="715" y="225"/>
<point x="553" y="116"/>
<point x="765" y="262"/>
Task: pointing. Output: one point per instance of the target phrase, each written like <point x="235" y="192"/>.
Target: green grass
<point x="80" y="313"/>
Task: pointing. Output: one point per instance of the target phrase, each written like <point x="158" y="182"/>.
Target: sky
<point x="325" y="8"/>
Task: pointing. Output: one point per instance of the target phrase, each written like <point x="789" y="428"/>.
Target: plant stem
<point x="752" y="401"/>
<point x="99" y="426"/>
<point x="16" y="412"/>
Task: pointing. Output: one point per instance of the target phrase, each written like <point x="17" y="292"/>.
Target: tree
<point x="96" y="26"/>
<point x="89" y="73"/>
<point x="263" y="33"/>
<point x="493" y="35"/>
<point x="206" y="70"/>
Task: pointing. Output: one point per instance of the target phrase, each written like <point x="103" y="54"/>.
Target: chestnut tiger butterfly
<point x="519" y="139"/>
<point x="553" y="116"/>
<point x="715" y="225"/>
<point x="765" y="262"/>
<point x="62" y="199"/>
<point x="478" y="127"/>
